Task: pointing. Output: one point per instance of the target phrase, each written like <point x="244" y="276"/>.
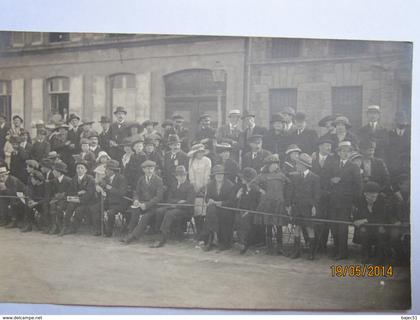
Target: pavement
<point x="86" y="270"/>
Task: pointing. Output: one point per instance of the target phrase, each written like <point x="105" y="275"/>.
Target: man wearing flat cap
<point x="345" y="192"/>
<point x="148" y="194"/>
<point x="205" y="133"/>
<point x="230" y="132"/>
<point x="40" y="147"/>
<point x="182" y="132"/>
<point x="374" y="131"/>
<point x="115" y="187"/>
<point x="250" y="129"/>
<point x="119" y="131"/>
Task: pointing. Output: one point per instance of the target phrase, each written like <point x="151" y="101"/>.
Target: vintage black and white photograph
<point x="210" y="172"/>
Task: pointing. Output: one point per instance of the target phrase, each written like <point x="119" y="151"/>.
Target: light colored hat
<point x="102" y="154"/>
<point x="344" y="144"/>
<point x="235" y="112"/>
<point x="3" y="170"/>
<point x="100" y="169"/>
<point x="374" y="108"/>
<point x="197" y="148"/>
<point x="343" y="120"/>
<point x="292" y="148"/>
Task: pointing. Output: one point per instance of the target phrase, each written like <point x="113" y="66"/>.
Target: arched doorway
<point x="193" y="92"/>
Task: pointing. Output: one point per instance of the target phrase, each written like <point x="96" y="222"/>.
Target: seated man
<point x="35" y="204"/>
<point x="115" y="187"/>
<point x="371" y="209"/>
<point x="181" y="192"/>
<point x="60" y="187"/>
<point x="149" y="192"/>
<point x="11" y="209"/>
<point x="81" y="197"/>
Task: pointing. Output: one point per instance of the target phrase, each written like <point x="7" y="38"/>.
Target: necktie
<point x="173" y="157"/>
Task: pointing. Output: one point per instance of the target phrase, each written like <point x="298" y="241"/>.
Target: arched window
<point x="123" y="92"/>
<point x="5" y="99"/>
<point x="58" y="92"/>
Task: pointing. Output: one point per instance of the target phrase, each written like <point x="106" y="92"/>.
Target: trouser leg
<point x="140" y="228"/>
<point x="134" y="219"/>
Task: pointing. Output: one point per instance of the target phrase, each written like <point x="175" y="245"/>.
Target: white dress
<point x="199" y="172"/>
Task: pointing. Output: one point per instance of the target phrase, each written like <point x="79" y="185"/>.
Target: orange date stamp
<point x="361" y="270"/>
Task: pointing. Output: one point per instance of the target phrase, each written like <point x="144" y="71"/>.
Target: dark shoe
<point x="28" y="228"/>
<point x="208" y="247"/>
<point x="127" y="239"/>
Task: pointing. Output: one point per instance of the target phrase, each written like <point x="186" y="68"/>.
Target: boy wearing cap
<point x="180" y="192"/>
<point x="40" y="147"/>
<point x="305" y="193"/>
<point x="346" y="188"/>
<point x="115" y="187"/>
<point x="151" y="154"/>
<point x="35" y="204"/>
<point x="374" y="131"/>
<point x="148" y="193"/>
<point x="60" y="187"/>
<point x="231" y="132"/>
<point x="255" y="157"/>
<point x="11" y="209"/>
<point x="371" y="208"/>
<point x="82" y="191"/>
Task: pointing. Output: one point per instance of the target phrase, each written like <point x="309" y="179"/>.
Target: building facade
<point x="44" y="75"/>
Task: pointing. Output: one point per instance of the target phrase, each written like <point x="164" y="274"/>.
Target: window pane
<point x="59" y="84"/>
<point x="285" y="48"/>
<point x="59" y="37"/>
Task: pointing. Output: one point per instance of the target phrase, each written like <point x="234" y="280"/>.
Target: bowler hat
<point x="60" y="166"/>
<point x="148" y="163"/>
<point x="134" y="124"/>
<point x="218" y="169"/>
<point x="46" y="163"/>
<point x="367" y="144"/>
<point x="305" y="159"/>
<point x="112" y="165"/>
<point x="277" y="117"/>
<point x="255" y="138"/>
<point x="73" y="116"/>
<point x="177" y="116"/>
<point x="120" y="109"/>
<point x="324" y="120"/>
<point x="167" y="122"/>
<point x="105" y="119"/>
<point x="180" y="171"/>
<point x="247" y="114"/>
<point x="248" y="174"/>
<point x="16" y="116"/>
<point x="371" y="186"/>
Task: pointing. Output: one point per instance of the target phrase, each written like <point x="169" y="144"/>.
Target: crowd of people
<point x="240" y="182"/>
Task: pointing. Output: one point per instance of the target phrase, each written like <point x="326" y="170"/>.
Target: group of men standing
<point x="121" y="176"/>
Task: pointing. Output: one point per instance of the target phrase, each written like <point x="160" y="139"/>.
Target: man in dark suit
<point x="230" y="132"/>
<point x="374" y="131"/>
<point x="288" y="114"/>
<point x="398" y="149"/>
<point x="4" y="128"/>
<point x="303" y="137"/>
<point x="105" y="135"/>
<point x="374" y="169"/>
<point x="182" y="192"/>
<point x="82" y="191"/>
<point x="119" y="131"/>
<point x="21" y="153"/>
<point x="61" y="185"/>
<point x="175" y="157"/>
<point x="182" y="132"/>
<point x="304" y="198"/>
<point x="346" y="190"/>
<point x="148" y="194"/>
<point x="250" y="129"/>
<point x="115" y="187"/>
<point x="205" y="133"/>
<point x="11" y="209"/>
<point x="40" y="147"/>
<point x="276" y="140"/>
<point x="94" y="143"/>
<point x="255" y="157"/>
<point x="324" y="163"/>
<point x="74" y="133"/>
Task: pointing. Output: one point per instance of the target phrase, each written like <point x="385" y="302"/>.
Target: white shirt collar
<point x="60" y="178"/>
<point x="305" y="173"/>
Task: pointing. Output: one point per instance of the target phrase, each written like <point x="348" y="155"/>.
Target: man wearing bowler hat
<point x="255" y="157"/>
<point x="305" y="138"/>
<point x="74" y="133"/>
<point x="105" y="135"/>
<point x="230" y="132"/>
<point x="148" y="194"/>
<point x="115" y="187"/>
<point x="374" y="131"/>
<point x="250" y="129"/>
<point x="345" y="192"/>
<point x="172" y="159"/>
<point x="119" y="131"/>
